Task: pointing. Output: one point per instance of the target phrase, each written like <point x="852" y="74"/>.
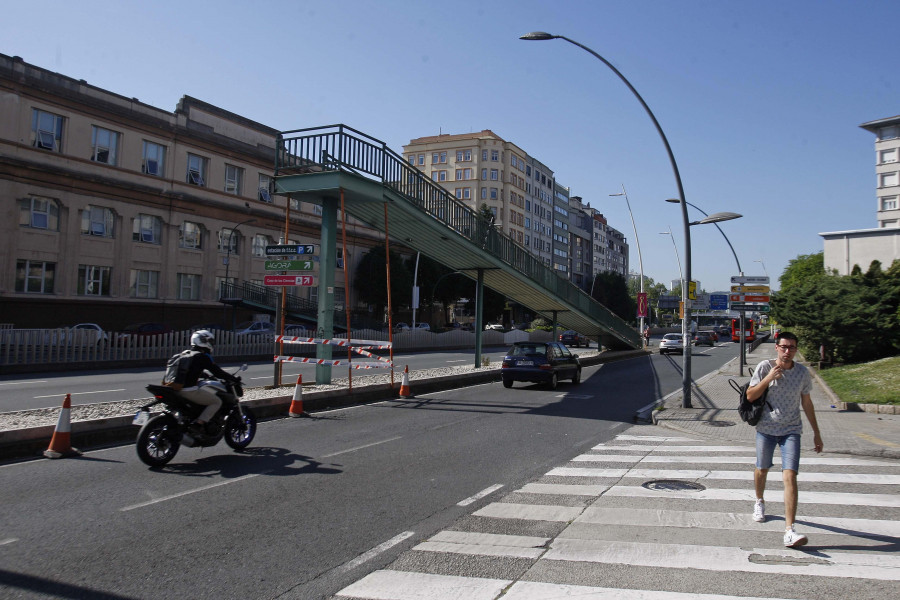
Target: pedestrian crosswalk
<point x="664" y="518"/>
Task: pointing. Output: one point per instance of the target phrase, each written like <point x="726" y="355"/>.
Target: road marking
<point x="536" y="590"/>
<point x="748" y="495"/>
<point x="563" y="489"/>
<point x="529" y="512"/>
<point x="405" y="585"/>
<point x="23" y="382"/>
<point x="479" y="495"/>
<point x="361" y="447"/>
<point x="8" y="541"/>
<point x="741" y="460"/>
<point x="80" y="393"/>
<point x="362" y="558"/>
<point x="875" y="440"/>
<point x="461" y="360"/>
<point x="188" y="492"/>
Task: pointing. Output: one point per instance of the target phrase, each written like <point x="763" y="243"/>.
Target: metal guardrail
<point x="338" y="147"/>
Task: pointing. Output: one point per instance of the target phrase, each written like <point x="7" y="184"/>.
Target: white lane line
<point x="480" y="550"/>
<point x="367" y="556"/>
<point x="80" y="393"/>
<point x="479" y="495"/>
<point x="726" y="559"/>
<point x="8" y="541"/>
<point x="562" y="489"/>
<point x="347" y="451"/>
<point x="23" y="382"/>
<point x="738" y="460"/>
<point x="673" y="448"/>
<point x="188" y="492"/>
<point x="406" y="585"/>
<point x="536" y="590"/>
<point x="530" y="512"/>
<point x="490" y="539"/>
<point x="461" y="360"/>
<point x="652" y="438"/>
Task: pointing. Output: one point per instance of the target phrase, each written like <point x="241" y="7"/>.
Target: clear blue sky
<point x="761" y="101"/>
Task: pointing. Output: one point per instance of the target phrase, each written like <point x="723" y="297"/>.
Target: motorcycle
<point x="162" y="435"/>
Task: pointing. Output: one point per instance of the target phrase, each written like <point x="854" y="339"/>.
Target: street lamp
<point x="228" y="265"/>
<point x="640" y="259"/>
<point x="686" y="362"/>
<point x="763" y="266"/>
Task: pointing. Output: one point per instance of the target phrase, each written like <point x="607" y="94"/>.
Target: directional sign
<point x="290" y="249"/>
<point x="289" y="265"/>
<point x="753" y="279"/>
<point x="304" y="280"/>
<point x="718" y="302"/>
<point x="752" y="289"/>
<point x="749" y="298"/>
<point x="763" y="308"/>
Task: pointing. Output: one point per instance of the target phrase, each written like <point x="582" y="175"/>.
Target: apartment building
<point x="119" y="212"/>
<point x="848" y="248"/>
<point x="580" y="244"/>
<point x="609" y="246"/>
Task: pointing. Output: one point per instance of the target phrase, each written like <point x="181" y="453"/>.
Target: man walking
<point x="789" y="385"/>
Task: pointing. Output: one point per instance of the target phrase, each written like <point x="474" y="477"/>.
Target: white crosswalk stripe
<point x="599" y="513"/>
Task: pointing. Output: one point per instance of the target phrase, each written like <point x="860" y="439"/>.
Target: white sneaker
<point x="759" y="511"/>
<point x="792" y="539"/>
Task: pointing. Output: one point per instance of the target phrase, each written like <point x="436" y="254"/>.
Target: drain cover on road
<point x="720" y="423"/>
<point x="673" y="485"/>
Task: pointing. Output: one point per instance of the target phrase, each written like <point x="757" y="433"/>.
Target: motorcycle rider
<point x="202" y="342"/>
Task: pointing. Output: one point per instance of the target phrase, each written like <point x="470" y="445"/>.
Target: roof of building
<point x="446" y="137"/>
<point x="873" y="126"/>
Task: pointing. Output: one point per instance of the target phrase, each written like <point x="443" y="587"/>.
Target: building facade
<point x="119" y="212"/>
<point x="848" y="248"/>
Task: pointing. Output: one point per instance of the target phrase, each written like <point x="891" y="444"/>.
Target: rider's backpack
<point x="177" y="368"/>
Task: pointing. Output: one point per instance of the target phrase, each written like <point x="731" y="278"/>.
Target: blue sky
<point x="761" y="101"/>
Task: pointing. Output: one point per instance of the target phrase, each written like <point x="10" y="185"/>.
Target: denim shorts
<point x="790" y="450"/>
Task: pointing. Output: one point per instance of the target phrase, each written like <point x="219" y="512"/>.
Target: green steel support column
<point x="327" y="266"/>
<point x="479" y="319"/>
<point x="555" y="324"/>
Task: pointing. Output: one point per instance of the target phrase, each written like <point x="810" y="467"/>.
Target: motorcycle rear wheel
<point x="240" y="432"/>
<point x="158" y="441"/>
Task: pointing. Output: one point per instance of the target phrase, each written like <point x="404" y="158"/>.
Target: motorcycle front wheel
<point x="240" y="432"/>
<point x="158" y="441"/>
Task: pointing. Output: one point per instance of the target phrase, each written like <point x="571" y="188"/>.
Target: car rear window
<point x="528" y="350"/>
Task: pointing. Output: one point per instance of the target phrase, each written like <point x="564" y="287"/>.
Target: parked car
<point x="573" y="338"/>
<point x="539" y="362"/>
<point x="254" y="327"/>
<point x="714" y="335"/>
<point x="143" y="329"/>
<point x="401" y="326"/>
<point x="86" y="333"/>
<point x="214" y="327"/>
<point x="703" y="338"/>
<point x="494" y="327"/>
<point x="671" y="342"/>
<point x="297" y="331"/>
<point x="423" y="326"/>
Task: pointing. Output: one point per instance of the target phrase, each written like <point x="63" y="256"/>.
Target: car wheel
<point x="577" y="378"/>
<point x="507" y="383"/>
<point x="554" y="381"/>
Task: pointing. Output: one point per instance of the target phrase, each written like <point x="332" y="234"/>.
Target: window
<point x="39" y="213"/>
<point x="439" y="175"/>
<point x="888" y="156"/>
<point x="463" y="155"/>
<point x="888" y="179"/>
<point x="493" y="193"/>
<point x="889" y="133"/>
<point x="98" y="221"/>
<point x="260" y="242"/>
<point x="35" y="276"/>
<point x="147" y="229"/>
<point x="154" y="159"/>
<point x="484" y="193"/>
<point x="467" y="193"/>
<point x="190" y="236"/>
<point x="234" y="176"/>
<point x="228" y="239"/>
<point x="463" y="174"/>
<point x="46" y="129"/>
<point x="495" y="174"/>
<point x="889" y="203"/>
<point x="188" y="286"/>
<point x="93" y="280"/>
<point x="265" y="185"/>
<point x="443" y="157"/>
<point x="144" y="284"/>
<point x="196" y="169"/>
<point x="495" y="155"/>
<point x="412" y="159"/>
<point x="421" y="159"/>
<point x="435" y="157"/>
<point x="484" y="174"/>
<point x="104" y="145"/>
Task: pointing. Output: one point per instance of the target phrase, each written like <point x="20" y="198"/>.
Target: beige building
<point x="117" y="212"/>
<point x="848" y="248"/>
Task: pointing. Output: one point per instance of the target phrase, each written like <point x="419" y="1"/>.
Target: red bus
<point x="749" y="330"/>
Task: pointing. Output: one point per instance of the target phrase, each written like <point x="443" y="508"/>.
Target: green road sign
<point x="289" y="265"/>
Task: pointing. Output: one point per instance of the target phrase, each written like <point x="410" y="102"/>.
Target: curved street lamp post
<point x="227" y="266"/>
<point x="640" y="258"/>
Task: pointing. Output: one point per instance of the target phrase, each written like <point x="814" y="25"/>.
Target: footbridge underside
<point x="384" y="191"/>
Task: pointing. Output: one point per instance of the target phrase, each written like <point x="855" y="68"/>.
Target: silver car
<point x="671" y="342"/>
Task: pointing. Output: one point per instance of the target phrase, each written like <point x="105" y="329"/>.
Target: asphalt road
<point x="316" y="503"/>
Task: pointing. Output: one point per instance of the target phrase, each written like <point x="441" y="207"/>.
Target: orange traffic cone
<point x="296" y="409"/>
<point x="61" y="442"/>
<point x="404" y="384"/>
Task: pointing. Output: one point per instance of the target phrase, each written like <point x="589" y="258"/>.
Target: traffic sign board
<point x="749" y="298"/>
<point x="763" y="308"/>
<point x="304" y="280"/>
<point x="289" y="265"/>
<point x="718" y="302"/>
<point x="750" y="288"/>
<point x="290" y="249"/>
<point x="758" y="279"/>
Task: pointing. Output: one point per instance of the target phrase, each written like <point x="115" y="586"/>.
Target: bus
<point x="749" y="330"/>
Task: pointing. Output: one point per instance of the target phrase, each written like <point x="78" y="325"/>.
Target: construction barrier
<point x="61" y="442"/>
<point x="404" y="384"/>
<point x="296" y="409"/>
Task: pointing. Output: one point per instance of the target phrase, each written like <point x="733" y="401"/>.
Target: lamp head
<point x="718" y="217"/>
<point x="537" y="36"/>
<point x="673" y="200"/>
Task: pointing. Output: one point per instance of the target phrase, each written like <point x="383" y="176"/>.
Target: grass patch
<point x="876" y="382"/>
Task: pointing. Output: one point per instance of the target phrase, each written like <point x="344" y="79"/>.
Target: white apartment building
<point x="848" y="248"/>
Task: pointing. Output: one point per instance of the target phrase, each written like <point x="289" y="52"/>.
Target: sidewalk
<point x="714" y="414"/>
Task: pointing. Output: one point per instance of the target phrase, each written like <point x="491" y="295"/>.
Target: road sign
<point x="701" y="302"/>
<point x="692" y="290"/>
<point x="642" y="304"/>
<point x="749" y="298"/>
<point x="763" y="308"/>
<point x="290" y="249"/>
<point x="754" y="279"/>
<point x="718" y="302"/>
<point x="752" y="289"/>
<point x="289" y="265"/>
<point x="304" y="280"/>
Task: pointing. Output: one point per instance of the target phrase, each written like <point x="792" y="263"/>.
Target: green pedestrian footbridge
<point x="339" y="167"/>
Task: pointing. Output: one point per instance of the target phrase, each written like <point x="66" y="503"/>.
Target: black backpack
<point x="177" y="369"/>
<point x="751" y="412"/>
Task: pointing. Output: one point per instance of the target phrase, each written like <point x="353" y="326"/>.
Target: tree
<point x="804" y="268"/>
<point x="370" y="277"/>
<point x="611" y="290"/>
